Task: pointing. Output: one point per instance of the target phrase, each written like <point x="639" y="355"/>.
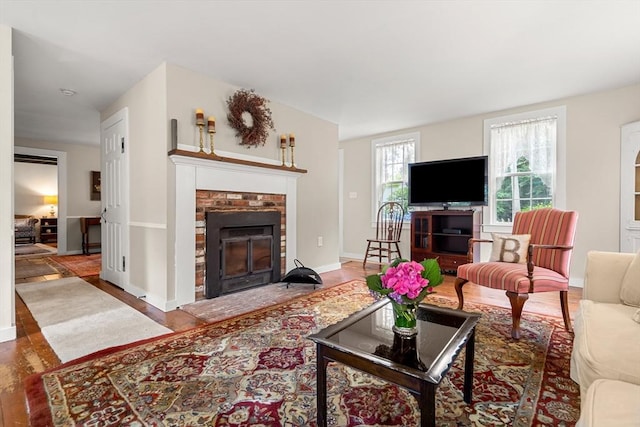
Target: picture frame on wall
<point x="95" y="185"/>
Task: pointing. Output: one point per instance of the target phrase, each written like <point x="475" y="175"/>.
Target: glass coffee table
<point x="365" y="341"/>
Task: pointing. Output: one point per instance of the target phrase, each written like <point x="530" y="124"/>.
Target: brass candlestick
<point x="283" y="148"/>
<point x="201" y="126"/>
<point x="292" y="143"/>
<point x="293" y="164"/>
<point x="211" y="128"/>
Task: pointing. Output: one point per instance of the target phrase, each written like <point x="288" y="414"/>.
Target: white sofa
<point x="610" y="403"/>
<point x="605" y="360"/>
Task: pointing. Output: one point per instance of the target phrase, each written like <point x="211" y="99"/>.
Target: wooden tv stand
<point x="444" y="234"/>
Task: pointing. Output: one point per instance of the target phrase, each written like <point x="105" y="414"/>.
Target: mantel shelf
<point x="216" y="158"/>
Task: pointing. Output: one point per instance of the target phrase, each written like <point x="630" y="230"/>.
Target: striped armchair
<point x="544" y="268"/>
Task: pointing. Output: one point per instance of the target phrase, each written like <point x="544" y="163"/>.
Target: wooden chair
<point x="548" y="257"/>
<point x="388" y="228"/>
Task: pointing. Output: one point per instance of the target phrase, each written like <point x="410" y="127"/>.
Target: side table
<point x="357" y="341"/>
<point x="85" y="224"/>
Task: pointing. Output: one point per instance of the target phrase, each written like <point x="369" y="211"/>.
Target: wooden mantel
<point x="217" y="158"/>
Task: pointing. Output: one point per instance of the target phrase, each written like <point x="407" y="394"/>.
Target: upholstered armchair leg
<point x="458" y="286"/>
<point x="564" y="304"/>
<point x="517" y="302"/>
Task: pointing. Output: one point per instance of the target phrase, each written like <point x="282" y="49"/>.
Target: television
<point x="452" y="182"/>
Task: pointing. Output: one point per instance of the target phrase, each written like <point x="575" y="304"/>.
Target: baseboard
<point x="353" y="256"/>
<point x="328" y="267"/>
<point x="76" y="252"/>
<point x="8" y="334"/>
<point x="576" y="282"/>
<point x="160" y="303"/>
<point x="134" y="290"/>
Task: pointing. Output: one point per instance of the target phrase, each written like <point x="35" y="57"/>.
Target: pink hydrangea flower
<point x="405" y="279"/>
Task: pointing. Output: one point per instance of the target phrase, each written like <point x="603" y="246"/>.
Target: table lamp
<point x="51" y="200"/>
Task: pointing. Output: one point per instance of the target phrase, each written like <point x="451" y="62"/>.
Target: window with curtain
<point x="523" y="163"/>
<point x="390" y="159"/>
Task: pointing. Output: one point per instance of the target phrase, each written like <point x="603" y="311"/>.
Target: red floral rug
<point x="80" y="265"/>
<point x="259" y="369"/>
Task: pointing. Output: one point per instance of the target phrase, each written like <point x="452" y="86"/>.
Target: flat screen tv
<point x="452" y="182"/>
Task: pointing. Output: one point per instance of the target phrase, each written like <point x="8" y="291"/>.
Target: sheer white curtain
<point x="530" y="140"/>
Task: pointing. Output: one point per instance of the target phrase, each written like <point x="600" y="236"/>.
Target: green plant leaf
<point x="432" y="272"/>
<point x="374" y="282"/>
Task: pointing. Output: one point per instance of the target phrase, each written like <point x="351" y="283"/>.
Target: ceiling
<point x="369" y="66"/>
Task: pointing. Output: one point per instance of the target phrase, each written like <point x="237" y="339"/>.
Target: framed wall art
<point x="95" y="185"/>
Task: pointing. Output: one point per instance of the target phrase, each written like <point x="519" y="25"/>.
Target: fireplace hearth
<point x="242" y="250"/>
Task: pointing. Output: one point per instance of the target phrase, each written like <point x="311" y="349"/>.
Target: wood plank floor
<point x="30" y="353"/>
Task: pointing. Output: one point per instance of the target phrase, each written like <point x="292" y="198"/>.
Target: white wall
<point x="147" y="157"/>
<point x="7" y="293"/>
<point x="316" y="151"/>
<point x="33" y="181"/>
<point x="175" y="92"/>
<point x="592" y="168"/>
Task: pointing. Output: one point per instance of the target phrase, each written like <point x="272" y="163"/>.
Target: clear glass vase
<point x="405" y="322"/>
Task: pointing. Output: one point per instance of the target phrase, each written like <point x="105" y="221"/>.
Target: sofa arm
<point x="604" y="274"/>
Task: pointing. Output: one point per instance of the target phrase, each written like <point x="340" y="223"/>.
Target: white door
<point x="630" y="188"/>
<point x="114" y="181"/>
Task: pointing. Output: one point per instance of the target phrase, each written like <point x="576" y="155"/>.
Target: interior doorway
<point x="61" y="208"/>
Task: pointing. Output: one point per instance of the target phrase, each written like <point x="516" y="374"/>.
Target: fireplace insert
<point x="242" y="250"/>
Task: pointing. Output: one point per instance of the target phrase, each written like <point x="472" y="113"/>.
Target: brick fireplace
<point x="234" y="225"/>
<point x="223" y="183"/>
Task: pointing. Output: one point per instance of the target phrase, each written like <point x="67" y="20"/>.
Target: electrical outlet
<point x="320" y="241"/>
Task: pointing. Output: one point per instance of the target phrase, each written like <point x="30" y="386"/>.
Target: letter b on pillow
<point x="510" y="247"/>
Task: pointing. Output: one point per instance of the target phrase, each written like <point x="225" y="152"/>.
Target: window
<point x="525" y="154"/>
<point x="390" y="171"/>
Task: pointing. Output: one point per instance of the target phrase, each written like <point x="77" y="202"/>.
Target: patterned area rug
<point x="259" y="369"/>
<point x="31" y="249"/>
<point x="80" y="265"/>
<point x="33" y="267"/>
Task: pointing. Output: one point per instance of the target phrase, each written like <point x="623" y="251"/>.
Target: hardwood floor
<point x="30" y="353"/>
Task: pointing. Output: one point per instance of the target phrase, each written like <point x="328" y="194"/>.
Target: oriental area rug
<point x="79" y="265"/>
<point x="260" y="369"/>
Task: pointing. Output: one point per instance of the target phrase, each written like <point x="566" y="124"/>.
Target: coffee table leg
<point x="427" y="403"/>
<point x="468" y="367"/>
<point x="321" y="385"/>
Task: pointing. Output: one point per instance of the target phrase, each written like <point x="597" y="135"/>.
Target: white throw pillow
<point x="630" y="289"/>
<point x="636" y="315"/>
<point x="510" y="247"/>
